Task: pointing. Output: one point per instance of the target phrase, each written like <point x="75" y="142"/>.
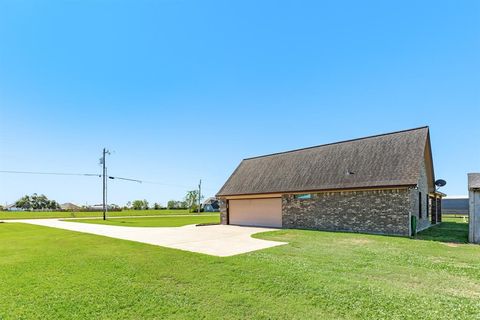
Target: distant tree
<point x="171" y="204"/>
<point x="52" y="204"/>
<point x="137" y="204"/>
<point x="140" y="205"/>
<point x="157" y="206"/>
<point x="24" y="203"/>
<point x="36" y="202"/>
<point x="191" y="199"/>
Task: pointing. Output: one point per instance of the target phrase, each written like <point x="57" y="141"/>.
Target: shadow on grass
<point x="446" y="232"/>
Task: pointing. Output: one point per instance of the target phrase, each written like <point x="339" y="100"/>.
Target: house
<point x="13" y="207"/>
<point x="455" y="205"/>
<point x="474" y="214"/>
<point x="211" y="205"/>
<point x="374" y="185"/>
<point x="70" y="207"/>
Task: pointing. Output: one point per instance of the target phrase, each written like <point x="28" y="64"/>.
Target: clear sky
<point x="183" y="90"/>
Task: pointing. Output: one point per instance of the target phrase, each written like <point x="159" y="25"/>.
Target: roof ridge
<point x="338" y="142"/>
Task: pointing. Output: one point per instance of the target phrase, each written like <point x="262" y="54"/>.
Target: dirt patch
<point x="451" y="244"/>
<point x="465" y="290"/>
<point x="357" y="241"/>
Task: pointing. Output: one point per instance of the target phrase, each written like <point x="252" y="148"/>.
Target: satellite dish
<point x="440" y="183"/>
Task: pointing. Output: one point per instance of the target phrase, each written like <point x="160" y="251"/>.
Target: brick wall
<point x="424" y="222"/>
<point x="376" y="211"/>
<point x="223" y="210"/>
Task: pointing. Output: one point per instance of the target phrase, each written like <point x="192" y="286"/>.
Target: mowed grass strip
<point x="48" y="273"/>
<point x="5" y="215"/>
<point x="450" y="230"/>
<point x="154" y="221"/>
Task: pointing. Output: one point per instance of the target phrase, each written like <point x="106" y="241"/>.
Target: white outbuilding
<point x="474" y="207"/>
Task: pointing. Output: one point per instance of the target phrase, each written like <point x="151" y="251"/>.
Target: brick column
<point x="223" y="210"/>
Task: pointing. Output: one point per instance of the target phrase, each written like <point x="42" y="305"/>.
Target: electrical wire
<point x="127" y="179"/>
<point x="166" y="184"/>
<point x="96" y="175"/>
<point x="53" y="173"/>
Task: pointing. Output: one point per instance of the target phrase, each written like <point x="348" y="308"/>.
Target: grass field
<point x="450" y="230"/>
<point x="164" y="221"/>
<point x="48" y="273"/>
<point x="61" y="214"/>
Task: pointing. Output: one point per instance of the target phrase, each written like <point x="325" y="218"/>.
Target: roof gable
<point x="392" y="159"/>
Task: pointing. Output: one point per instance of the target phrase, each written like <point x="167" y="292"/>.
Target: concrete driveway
<point x="215" y="240"/>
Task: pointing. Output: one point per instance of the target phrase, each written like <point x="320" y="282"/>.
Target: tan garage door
<point x="256" y="212"/>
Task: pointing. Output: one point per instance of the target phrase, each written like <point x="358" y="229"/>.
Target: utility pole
<point x="199" y="195"/>
<point x="106" y="192"/>
<point x="104" y="179"/>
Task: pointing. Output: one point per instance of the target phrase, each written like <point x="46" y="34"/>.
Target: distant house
<point x="13" y="207"/>
<point x="375" y="184"/>
<point x="455" y="205"/>
<point x="70" y="206"/>
<point x="211" y="205"/>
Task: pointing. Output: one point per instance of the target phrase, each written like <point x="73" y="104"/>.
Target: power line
<point x="127" y="179"/>
<point x="166" y="184"/>
<point x="97" y="175"/>
<point x="53" y="173"/>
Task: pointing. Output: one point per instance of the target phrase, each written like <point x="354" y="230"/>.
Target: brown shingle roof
<point x="391" y="159"/>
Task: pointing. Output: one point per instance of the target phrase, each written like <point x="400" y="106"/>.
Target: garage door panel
<point x="256" y="212"/>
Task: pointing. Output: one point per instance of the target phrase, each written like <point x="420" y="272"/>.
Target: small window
<point x="303" y="196"/>
<point x="420" y="205"/>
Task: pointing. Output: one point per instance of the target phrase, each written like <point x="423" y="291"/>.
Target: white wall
<point x="474" y="211"/>
<point x="474" y="220"/>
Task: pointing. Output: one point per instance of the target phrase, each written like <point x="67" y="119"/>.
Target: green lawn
<point x="48" y="273"/>
<point x="61" y="214"/>
<point x="164" y="221"/>
<point x="450" y="230"/>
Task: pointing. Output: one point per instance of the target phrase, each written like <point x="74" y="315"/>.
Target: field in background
<point x="67" y="214"/>
<point x="163" y="221"/>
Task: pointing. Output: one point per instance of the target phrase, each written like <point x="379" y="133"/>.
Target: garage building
<point x="373" y="185"/>
<point x="474" y="214"/>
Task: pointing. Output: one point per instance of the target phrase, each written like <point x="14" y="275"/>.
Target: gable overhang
<point x="437" y="194"/>
<point x="428" y="158"/>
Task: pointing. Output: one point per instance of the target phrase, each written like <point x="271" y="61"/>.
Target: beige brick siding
<point x="375" y="211"/>
<point x="424" y="222"/>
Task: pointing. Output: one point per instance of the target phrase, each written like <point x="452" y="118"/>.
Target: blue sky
<point x="183" y="90"/>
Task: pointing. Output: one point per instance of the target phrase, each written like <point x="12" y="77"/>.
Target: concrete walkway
<point x="215" y="240"/>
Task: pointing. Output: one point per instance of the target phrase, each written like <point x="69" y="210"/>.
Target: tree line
<point x="41" y="202"/>
<point x="36" y="202"/>
<point x="190" y="202"/>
